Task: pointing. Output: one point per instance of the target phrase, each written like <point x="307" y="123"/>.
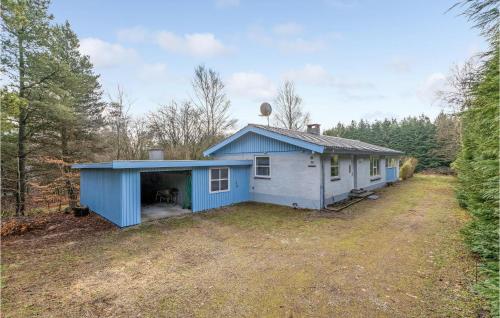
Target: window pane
<point x="263" y="171"/>
<point x="215" y="173"/>
<point x="262" y="161"/>
<point x="335" y="171"/>
<point x="214" y="186"/>
<point x="224" y="185"/>
<point x="335" y="160"/>
<point x="224" y="173"/>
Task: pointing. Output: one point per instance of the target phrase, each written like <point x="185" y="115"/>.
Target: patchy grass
<point x="399" y="256"/>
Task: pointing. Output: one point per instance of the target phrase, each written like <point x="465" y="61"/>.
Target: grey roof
<point x="331" y="143"/>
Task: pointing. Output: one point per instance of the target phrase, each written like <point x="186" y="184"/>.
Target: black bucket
<point x="79" y="211"/>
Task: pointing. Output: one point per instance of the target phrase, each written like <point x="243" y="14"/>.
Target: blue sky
<point x="349" y="59"/>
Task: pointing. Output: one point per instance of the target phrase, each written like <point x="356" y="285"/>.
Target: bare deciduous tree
<point x="118" y="119"/>
<point x="289" y="113"/>
<point x="213" y="102"/>
<point x="458" y="94"/>
<point x="139" y="140"/>
<point x="178" y="129"/>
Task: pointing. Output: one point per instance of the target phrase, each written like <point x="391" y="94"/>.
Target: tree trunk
<point x="21" y="164"/>
<point x="21" y="139"/>
<point x="66" y="168"/>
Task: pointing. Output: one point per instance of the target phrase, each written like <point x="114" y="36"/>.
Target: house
<point x="258" y="163"/>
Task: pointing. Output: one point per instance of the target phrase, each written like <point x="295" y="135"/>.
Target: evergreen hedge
<point x="477" y="167"/>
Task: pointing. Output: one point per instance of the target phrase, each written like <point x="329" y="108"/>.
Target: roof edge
<point x="364" y="152"/>
<point x="93" y="165"/>
<point x="146" y="164"/>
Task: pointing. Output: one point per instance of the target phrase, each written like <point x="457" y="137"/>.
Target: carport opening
<point x="165" y="194"/>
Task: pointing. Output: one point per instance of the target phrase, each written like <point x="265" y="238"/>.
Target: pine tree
<point x="55" y="95"/>
<point x="25" y="28"/>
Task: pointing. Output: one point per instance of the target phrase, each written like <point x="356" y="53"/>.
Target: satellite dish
<point x="266" y="109"/>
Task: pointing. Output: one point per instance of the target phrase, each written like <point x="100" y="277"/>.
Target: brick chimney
<point x="314" y="129"/>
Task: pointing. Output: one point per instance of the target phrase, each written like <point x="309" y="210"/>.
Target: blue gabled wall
<point x="202" y="199"/>
<point x="252" y="142"/>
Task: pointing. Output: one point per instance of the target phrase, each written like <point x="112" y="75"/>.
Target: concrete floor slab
<point x="161" y="210"/>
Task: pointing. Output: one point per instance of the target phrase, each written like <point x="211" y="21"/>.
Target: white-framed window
<point x="334" y="166"/>
<point x="262" y="166"/>
<point x="219" y="179"/>
<point x="391" y="162"/>
<point x="374" y="166"/>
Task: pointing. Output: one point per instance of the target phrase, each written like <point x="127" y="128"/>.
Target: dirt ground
<point x="398" y="256"/>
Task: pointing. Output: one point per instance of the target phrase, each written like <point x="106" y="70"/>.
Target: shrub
<point x="408" y="168"/>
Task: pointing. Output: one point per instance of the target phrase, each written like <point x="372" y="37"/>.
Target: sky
<point x="350" y="60"/>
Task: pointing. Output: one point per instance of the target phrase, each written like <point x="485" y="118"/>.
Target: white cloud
<point x="431" y="85"/>
<point x="310" y="74"/>
<point x="399" y="65"/>
<point x="300" y="45"/>
<point x="378" y="115"/>
<point x="137" y="34"/>
<point x="317" y="75"/>
<point x="195" y="44"/>
<point x="363" y="97"/>
<point x="288" y="29"/>
<point x="252" y="85"/>
<point x="227" y="3"/>
<point x="284" y="37"/>
<point x="474" y="49"/>
<point x="154" y="71"/>
<point x="257" y="34"/>
<point x="105" y="54"/>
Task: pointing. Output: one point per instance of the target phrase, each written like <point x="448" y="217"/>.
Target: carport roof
<point x="144" y="164"/>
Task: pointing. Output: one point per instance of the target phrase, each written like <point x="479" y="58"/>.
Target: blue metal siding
<point x="289" y="140"/>
<point x="131" y="197"/>
<point x="204" y="200"/>
<point x="101" y="191"/>
<point x="252" y="142"/>
<point x="390" y="174"/>
<point x="115" y="194"/>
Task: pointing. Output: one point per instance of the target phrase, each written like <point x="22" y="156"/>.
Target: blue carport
<point x="113" y="189"/>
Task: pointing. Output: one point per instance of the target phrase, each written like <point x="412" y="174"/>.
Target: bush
<point x="408" y="168"/>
